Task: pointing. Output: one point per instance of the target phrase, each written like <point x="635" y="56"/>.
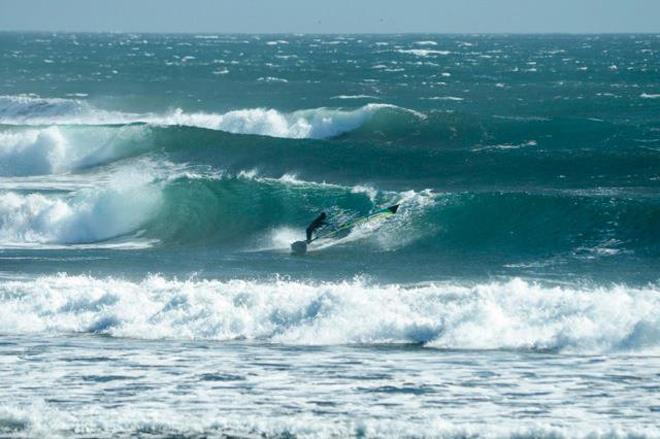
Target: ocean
<point x="151" y="185"/>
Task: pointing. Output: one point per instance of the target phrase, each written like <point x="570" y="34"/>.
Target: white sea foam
<point x="121" y="206"/>
<point x="277" y="239"/>
<point x="32" y="152"/>
<point x="271" y="79"/>
<point x="360" y="232"/>
<point x="424" y="52"/>
<point x="354" y="97"/>
<point x="41" y="419"/>
<point x="505" y="146"/>
<point x="311" y="123"/>
<point x="514" y="314"/>
<point x="315" y="123"/>
<point x="650" y="95"/>
<point x="63" y="182"/>
<point x="444" y="98"/>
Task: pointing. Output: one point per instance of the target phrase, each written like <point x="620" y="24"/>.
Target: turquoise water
<point x="150" y="186"/>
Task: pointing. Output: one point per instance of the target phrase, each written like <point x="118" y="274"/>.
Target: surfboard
<point x="337" y="232"/>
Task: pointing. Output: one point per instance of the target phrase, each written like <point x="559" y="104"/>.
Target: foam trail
<point x="369" y="229"/>
<point x="279" y="239"/>
<point x="515" y="314"/>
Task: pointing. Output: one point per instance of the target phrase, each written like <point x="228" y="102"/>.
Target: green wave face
<point x="234" y="212"/>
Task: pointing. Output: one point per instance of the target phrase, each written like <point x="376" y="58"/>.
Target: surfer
<point x="318" y="222"/>
<point x="337" y="231"/>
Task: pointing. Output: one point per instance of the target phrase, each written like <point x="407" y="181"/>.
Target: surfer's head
<point x="323" y="215"/>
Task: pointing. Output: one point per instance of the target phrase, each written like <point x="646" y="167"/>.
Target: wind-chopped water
<point x="150" y="187"/>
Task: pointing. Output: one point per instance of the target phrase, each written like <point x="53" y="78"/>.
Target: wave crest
<point x="314" y="123"/>
<point x="55" y="150"/>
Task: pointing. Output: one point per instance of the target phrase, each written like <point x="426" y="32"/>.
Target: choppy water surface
<point x="244" y="389"/>
<point x="150" y="186"/>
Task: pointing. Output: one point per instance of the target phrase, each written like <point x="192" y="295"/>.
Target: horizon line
<point x="323" y="33"/>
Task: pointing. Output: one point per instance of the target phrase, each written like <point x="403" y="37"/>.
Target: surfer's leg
<point x="309" y="231"/>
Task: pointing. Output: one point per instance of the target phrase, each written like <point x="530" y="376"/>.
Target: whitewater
<point x="146" y="283"/>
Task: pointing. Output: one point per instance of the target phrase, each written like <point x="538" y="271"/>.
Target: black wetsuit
<point x="318" y="222"/>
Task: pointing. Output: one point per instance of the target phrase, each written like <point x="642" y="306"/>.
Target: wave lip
<point x="318" y="123"/>
<point x="303" y="124"/>
<point x="56" y="149"/>
<point x="514" y="314"/>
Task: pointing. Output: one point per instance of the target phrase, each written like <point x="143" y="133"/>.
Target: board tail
<point x="299" y="248"/>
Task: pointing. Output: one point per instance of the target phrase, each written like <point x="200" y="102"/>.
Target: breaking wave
<point x="194" y="205"/>
<point x="375" y="143"/>
<point x="513" y="314"/>
<point x="302" y="124"/>
<point x="56" y="150"/>
<point x="122" y="205"/>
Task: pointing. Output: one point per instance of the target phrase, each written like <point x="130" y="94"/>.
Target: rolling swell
<point x="313" y="123"/>
<point x="527" y="223"/>
<point x="380" y="143"/>
<point x="359" y="156"/>
<point x="467" y="183"/>
<point x="345" y="159"/>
